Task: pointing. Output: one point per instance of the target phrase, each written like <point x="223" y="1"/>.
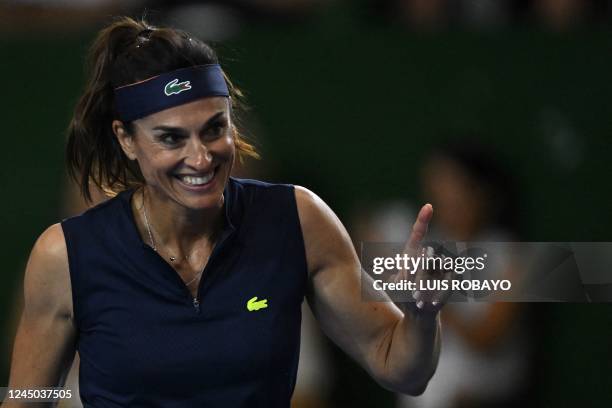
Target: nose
<point x="197" y="154"/>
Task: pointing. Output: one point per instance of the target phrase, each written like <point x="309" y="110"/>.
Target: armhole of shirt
<point x="298" y="226"/>
<point x="72" y="273"/>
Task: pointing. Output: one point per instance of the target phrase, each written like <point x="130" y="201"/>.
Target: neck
<point x="175" y="227"/>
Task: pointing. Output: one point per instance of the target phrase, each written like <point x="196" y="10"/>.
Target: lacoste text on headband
<point x="167" y="90"/>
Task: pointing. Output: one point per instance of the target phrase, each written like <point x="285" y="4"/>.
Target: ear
<point x="125" y="139"/>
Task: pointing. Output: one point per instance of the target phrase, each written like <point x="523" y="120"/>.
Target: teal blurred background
<point x="348" y="107"/>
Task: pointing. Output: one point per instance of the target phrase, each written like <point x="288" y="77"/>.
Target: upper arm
<point x="361" y="328"/>
<point x="44" y="344"/>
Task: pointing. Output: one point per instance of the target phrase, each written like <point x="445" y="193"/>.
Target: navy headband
<point x="164" y="91"/>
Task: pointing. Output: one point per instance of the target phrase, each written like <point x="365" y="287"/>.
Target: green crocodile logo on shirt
<point x="253" y="304"/>
<point x="173" y="87"/>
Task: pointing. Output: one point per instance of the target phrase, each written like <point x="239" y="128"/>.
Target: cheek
<point x="152" y="163"/>
<point x="225" y="148"/>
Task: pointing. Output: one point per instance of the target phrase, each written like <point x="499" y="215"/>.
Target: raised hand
<point x="432" y="287"/>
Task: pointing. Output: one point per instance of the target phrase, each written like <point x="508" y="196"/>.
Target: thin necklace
<point x="172" y="258"/>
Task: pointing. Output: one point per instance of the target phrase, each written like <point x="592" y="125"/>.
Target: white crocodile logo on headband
<point x="173" y="87"/>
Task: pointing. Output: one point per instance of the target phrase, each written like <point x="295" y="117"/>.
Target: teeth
<point x="197" y="180"/>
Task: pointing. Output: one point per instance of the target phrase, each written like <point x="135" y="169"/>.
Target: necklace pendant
<point x="172" y="259"/>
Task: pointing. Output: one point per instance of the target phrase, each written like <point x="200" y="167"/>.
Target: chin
<point x="209" y="199"/>
<point x="210" y="203"/>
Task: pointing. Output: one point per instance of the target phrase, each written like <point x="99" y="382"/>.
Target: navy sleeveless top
<point x="144" y="341"/>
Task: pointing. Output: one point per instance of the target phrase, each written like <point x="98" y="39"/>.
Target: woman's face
<point x="185" y="153"/>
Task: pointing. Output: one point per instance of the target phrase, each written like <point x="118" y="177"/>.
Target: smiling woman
<point x="185" y="153"/>
<point x="185" y="288"/>
<point x="130" y="53"/>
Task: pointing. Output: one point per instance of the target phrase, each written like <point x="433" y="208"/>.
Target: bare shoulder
<point x="51" y="244"/>
<point x="304" y="195"/>
<point x="47" y="276"/>
<point x="325" y="238"/>
<point x="311" y="207"/>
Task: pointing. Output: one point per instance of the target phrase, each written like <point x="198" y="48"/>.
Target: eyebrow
<point x="206" y="125"/>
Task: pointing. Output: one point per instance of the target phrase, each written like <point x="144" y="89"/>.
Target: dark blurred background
<point x="347" y="99"/>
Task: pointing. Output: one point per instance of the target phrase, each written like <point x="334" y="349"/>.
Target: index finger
<point x="419" y="229"/>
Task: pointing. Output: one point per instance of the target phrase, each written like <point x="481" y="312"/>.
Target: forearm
<point x="409" y="355"/>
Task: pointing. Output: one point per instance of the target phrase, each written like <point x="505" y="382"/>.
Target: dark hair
<point x="483" y="166"/>
<point x="125" y="52"/>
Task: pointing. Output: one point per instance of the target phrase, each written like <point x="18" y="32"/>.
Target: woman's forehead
<point x="192" y="114"/>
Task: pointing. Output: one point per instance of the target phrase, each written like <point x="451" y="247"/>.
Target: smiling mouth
<point x="197" y="179"/>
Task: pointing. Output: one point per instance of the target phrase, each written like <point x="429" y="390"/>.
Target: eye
<point x="169" y="139"/>
<point x="217" y="128"/>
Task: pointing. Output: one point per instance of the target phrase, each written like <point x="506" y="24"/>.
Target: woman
<point x="185" y="288"/>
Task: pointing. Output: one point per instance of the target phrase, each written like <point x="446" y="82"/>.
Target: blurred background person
<point x="487" y="356"/>
<point x="487" y="350"/>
